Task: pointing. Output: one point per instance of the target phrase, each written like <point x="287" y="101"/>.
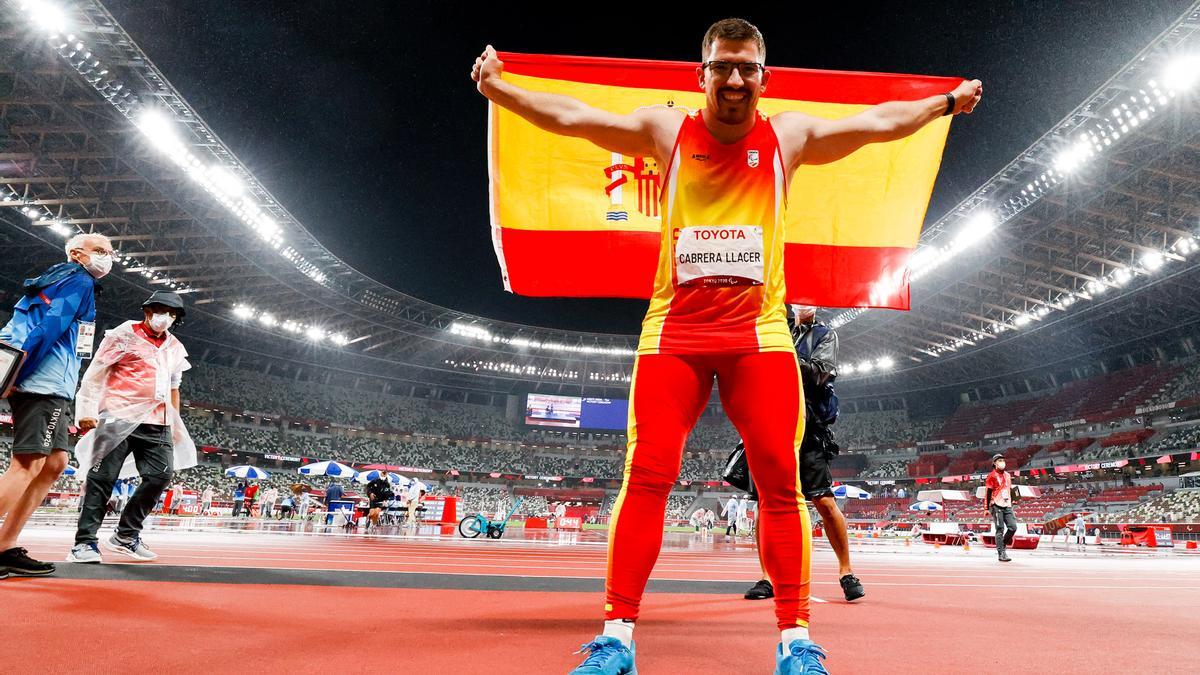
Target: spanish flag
<point x="572" y="219"/>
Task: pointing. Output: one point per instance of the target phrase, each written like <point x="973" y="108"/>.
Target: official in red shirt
<point x="998" y="499"/>
<point x="129" y="400"/>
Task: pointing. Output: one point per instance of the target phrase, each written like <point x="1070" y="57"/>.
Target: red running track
<point x="925" y="611"/>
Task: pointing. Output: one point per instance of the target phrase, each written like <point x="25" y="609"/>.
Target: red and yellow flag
<point x="572" y="219"/>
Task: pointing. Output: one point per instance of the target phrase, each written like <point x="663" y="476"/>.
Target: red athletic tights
<point x="762" y="395"/>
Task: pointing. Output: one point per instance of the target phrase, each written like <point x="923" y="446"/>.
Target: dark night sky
<point x="361" y="118"/>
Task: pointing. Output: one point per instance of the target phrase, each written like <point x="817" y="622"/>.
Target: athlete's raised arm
<point x="813" y="140"/>
<point x="633" y="134"/>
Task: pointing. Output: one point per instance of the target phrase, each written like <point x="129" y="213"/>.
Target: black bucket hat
<point x="168" y="299"/>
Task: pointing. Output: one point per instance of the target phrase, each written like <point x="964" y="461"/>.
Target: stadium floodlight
<point x="243" y="312"/>
<point x="47" y="16"/>
<point x="1122" y="276"/>
<point x="60" y="229"/>
<point x="847" y="369"/>
<point x="314" y="333"/>
<point x="226" y="181"/>
<point x="32" y="213"/>
<point x="339" y="339"/>
<point x="926" y="257"/>
<point x="267" y="320"/>
<point x="1152" y="260"/>
<point x="1181" y="73"/>
<point x="979" y="225"/>
<point x="159" y="129"/>
<point x="1071" y="157"/>
<point x="268" y="225"/>
<point x="1022" y="320"/>
<point x="866" y="367"/>
<point x="1185" y="246"/>
<point x="291" y="326"/>
<point x="885" y="363"/>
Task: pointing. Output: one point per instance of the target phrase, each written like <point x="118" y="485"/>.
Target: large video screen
<point x="544" y="410"/>
<point x="572" y="412"/>
<point x="605" y="413"/>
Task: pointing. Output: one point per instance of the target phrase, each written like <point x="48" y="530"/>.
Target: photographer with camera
<point x="816" y="350"/>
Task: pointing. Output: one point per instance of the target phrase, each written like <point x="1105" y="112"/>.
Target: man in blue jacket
<point x="54" y="322"/>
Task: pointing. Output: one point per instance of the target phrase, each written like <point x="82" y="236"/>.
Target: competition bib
<point x="84" y="339"/>
<point x="726" y="255"/>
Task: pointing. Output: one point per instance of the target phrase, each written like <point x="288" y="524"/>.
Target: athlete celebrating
<point x="717" y="309"/>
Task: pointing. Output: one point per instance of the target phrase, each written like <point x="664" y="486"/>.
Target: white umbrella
<point x="327" y="468"/>
<point x="925" y="506"/>
<point x="246" y="471"/>
<point x="944" y="496"/>
<point x="850" y="492"/>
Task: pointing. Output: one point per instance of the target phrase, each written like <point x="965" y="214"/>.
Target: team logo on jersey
<point x="752" y="159"/>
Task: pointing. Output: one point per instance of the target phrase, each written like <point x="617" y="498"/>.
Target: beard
<point x="734" y="112"/>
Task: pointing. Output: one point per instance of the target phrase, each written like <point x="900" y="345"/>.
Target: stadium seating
<point x="892" y="469"/>
<point x="1029" y="509"/>
<point x="1130" y="493"/>
<point x="1181" y="506"/>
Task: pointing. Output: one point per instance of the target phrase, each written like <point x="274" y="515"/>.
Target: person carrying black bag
<point x="817" y="352"/>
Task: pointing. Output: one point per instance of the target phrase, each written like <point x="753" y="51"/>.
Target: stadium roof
<point x="1088" y="230"/>
<point x="1081" y="244"/>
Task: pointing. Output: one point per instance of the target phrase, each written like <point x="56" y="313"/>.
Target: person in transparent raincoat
<point x="129" y="399"/>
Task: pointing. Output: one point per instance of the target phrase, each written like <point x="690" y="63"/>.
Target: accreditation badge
<point x="724" y="255"/>
<point x="84" y="339"/>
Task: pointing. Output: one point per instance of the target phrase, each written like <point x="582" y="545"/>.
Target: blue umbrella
<point x="246" y="471"/>
<point x="925" y="506"/>
<point x="70" y="471"/>
<point x="327" y="468"/>
<point x="368" y="476"/>
<point x="850" y="492"/>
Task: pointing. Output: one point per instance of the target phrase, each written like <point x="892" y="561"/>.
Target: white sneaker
<point x="135" y="549"/>
<point x="85" y="553"/>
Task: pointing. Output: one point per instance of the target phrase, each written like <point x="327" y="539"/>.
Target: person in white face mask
<point x="129" y="398"/>
<point x="52" y="322"/>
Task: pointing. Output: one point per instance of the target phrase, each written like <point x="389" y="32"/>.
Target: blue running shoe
<point x="803" y="658"/>
<point x="606" y="656"/>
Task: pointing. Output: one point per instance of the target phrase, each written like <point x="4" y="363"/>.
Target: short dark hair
<point x="734" y="30"/>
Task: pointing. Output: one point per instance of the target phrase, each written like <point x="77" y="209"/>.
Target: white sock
<point x="787" y="635"/>
<point x="619" y="629"/>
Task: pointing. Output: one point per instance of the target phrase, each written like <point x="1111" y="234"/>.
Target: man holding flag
<point x="717" y="307"/>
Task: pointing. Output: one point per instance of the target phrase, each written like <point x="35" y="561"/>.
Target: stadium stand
<point x="1181" y="506"/>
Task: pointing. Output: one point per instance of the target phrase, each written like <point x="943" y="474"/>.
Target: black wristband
<point x="949" y="104"/>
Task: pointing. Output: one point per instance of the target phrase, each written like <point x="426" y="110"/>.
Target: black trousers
<point x="153" y="454"/>
<point x="1003" y="518"/>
